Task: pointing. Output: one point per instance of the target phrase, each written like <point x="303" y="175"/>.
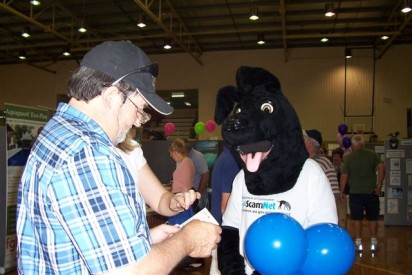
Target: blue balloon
<point x="275" y="244"/>
<point x="330" y="250"/>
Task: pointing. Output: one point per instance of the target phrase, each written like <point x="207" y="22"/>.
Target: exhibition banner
<point x="22" y="126"/>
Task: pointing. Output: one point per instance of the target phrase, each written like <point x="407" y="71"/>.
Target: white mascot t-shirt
<point x="309" y="202"/>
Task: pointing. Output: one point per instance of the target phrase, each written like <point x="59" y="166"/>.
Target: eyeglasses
<point x="152" y="69"/>
<point x="144" y="117"/>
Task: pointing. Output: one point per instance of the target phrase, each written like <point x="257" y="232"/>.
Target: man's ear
<point x="111" y="96"/>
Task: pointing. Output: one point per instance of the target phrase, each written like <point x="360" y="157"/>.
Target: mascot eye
<point x="238" y="110"/>
<point x="267" y="108"/>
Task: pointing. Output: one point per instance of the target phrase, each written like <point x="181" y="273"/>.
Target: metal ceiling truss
<point x="171" y="24"/>
<point x="176" y="29"/>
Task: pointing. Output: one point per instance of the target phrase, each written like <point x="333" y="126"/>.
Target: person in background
<point x="337" y="161"/>
<point x="79" y="210"/>
<point x="182" y="182"/>
<point x="313" y="142"/>
<point x="201" y="179"/>
<point x="324" y="152"/>
<point x="154" y="193"/>
<point x="359" y="171"/>
<point x="225" y="170"/>
<point x="182" y="176"/>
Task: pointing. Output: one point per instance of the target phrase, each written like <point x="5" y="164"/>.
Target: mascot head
<point x="263" y="131"/>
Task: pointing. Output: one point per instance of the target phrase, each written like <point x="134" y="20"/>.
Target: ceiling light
<point x="66" y="52"/>
<point x="348" y="53"/>
<point x="187" y="103"/>
<point x="261" y="39"/>
<point x="324" y="39"/>
<point x="178" y="94"/>
<point x="141" y="23"/>
<point x="26" y="32"/>
<point x="35" y="3"/>
<point x="329" y="10"/>
<point x="254" y="13"/>
<point x="82" y="28"/>
<point x="406" y="7"/>
<point x="384" y="37"/>
<point x="167" y="44"/>
<point x="22" y="55"/>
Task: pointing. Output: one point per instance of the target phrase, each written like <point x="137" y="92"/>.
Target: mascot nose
<point x="233" y="124"/>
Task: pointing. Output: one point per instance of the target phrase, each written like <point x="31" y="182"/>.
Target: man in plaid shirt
<point x="78" y="209"/>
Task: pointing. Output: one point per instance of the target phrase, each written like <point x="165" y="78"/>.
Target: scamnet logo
<point x="259" y="205"/>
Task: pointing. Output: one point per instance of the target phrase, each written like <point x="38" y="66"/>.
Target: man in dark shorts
<point x="359" y="171"/>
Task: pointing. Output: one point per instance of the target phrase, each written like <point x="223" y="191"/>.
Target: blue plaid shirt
<point x="78" y="209"/>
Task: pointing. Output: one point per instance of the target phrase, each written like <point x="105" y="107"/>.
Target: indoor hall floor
<point x="394" y="256"/>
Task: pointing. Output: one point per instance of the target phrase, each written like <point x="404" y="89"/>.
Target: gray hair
<point x="357" y="140"/>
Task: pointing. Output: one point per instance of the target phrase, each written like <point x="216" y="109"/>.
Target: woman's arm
<point x="158" y="198"/>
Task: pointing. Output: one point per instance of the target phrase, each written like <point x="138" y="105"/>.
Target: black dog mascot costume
<point x="265" y="136"/>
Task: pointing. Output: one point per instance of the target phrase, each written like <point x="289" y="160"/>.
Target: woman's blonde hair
<point x="128" y="144"/>
<point x="178" y="145"/>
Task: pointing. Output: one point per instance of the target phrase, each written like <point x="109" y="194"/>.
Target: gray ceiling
<point x="196" y="26"/>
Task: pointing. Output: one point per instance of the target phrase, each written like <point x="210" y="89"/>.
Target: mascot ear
<point x="250" y="78"/>
<point x="225" y="100"/>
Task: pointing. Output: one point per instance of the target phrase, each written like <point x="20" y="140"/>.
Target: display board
<point x="398" y="183"/>
<point x="3" y="190"/>
<point x="22" y="127"/>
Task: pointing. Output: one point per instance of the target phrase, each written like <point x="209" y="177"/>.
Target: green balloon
<point x="199" y="128"/>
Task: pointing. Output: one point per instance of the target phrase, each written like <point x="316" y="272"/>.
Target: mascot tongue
<point x="253" y="154"/>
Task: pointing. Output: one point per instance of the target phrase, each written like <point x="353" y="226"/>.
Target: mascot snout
<point x="233" y="124"/>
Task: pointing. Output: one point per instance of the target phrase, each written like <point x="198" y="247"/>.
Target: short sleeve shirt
<point x="309" y="202"/>
<point x="200" y="164"/>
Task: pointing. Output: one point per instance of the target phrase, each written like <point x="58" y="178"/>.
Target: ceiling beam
<point x="34" y="22"/>
<point x="381" y="51"/>
<point x="282" y="11"/>
<point x="217" y="32"/>
<point x="189" y="45"/>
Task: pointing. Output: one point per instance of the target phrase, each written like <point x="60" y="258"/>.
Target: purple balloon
<point x="347" y="142"/>
<point x="343" y="129"/>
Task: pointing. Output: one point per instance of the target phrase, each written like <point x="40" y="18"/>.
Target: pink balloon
<point x="169" y="128"/>
<point x="210" y="126"/>
<point x="339" y="139"/>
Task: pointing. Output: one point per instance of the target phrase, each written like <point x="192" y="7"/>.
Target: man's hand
<point x="182" y="201"/>
<point x="202" y="238"/>
<point x="162" y="232"/>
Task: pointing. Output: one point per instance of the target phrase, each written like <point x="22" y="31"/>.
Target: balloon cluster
<point x="199" y="127"/>
<point x="344" y="141"/>
<point x="277" y="244"/>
